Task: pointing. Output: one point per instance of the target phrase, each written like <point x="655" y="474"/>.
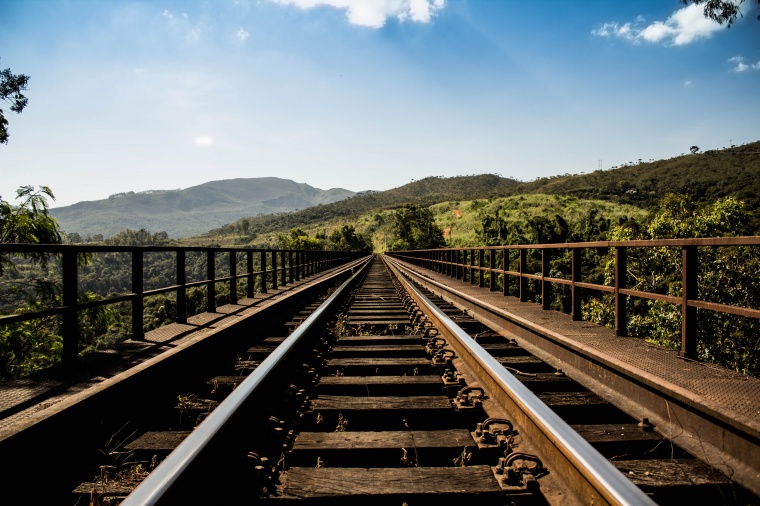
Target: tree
<point x="11" y="87"/>
<point x="694" y="150"/>
<point x="720" y="11"/>
<point x="415" y="228"/>
<point x="28" y="223"/>
<point x="346" y="239"/>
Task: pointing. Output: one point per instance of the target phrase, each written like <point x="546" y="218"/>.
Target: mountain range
<point x="194" y="210"/>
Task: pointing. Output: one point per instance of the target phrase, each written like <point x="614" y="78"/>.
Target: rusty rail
<point x="470" y="264"/>
<point x="292" y="266"/>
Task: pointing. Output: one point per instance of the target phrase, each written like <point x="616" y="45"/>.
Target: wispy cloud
<point x="683" y="27"/>
<point x="740" y="64"/>
<point x="688" y="83"/>
<point x="374" y="13"/>
<point x="203" y="141"/>
<point x="242" y="34"/>
<point x="182" y="24"/>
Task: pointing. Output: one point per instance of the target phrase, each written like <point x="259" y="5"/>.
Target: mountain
<point x="705" y="177"/>
<point x="194" y="210"/>
<point x="424" y="192"/>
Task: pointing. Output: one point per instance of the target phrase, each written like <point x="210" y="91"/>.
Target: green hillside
<point x="704" y="177"/>
<point x="194" y="210"/>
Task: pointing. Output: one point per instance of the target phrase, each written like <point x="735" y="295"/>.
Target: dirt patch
<point x="457" y="213"/>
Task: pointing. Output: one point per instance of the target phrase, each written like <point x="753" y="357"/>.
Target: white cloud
<point x="203" y="141"/>
<point x="683" y="27"/>
<point x="741" y="66"/>
<point x="688" y="83"/>
<point x="138" y="70"/>
<point x="242" y="34"/>
<point x="167" y="14"/>
<point x="374" y="13"/>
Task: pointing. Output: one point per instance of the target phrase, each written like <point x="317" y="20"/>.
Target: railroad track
<point x="385" y="391"/>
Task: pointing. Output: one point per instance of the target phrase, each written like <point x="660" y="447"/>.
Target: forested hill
<point x="425" y="192"/>
<point x="704" y="176"/>
<point x="194" y="210"/>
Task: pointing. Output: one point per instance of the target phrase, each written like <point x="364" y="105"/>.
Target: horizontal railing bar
<point x="723" y="308"/>
<point x="652" y="296"/>
<point x="32" y="315"/>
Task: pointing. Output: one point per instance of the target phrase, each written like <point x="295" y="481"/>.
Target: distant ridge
<point x="705" y="176"/>
<point x="194" y="210"/>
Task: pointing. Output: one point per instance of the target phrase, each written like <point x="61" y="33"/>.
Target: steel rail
<point x="159" y="483"/>
<point x="606" y="481"/>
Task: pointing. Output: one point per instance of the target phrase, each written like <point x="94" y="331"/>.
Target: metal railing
<point x="478" y="263"/>
<point x="275" y="268"/>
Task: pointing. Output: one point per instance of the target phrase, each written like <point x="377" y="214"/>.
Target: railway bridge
<point x="334" y="376"/>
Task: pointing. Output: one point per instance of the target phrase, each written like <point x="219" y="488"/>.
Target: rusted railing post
<point x="138" y="334"/>
<point x="211" y="274"/>
<point x="233" y="277"/>
<point x="504" y="269"/>
<point x="689" y="292"/>
<point x="491" y="273"/>
<point x="523" y="280"/>
<point x="481" y="279"/>
<point x="283" y="272"/>
<point x="472" y="267"/>
<point x="546" y="287"/>
<point x="251" y="279"/>
<point x="181" y="288"/>
<point x="621" y="270"/>
<point x="263" y="271"/>
<point x="70" y="329"/>
<point x="274" y="270"/>
<point x="575" y="277"/>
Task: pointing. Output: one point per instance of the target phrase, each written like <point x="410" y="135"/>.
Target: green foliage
<point x="414" y="228"/>
<point x="140" y="237"/>
<point x="344" y="238"/>
<point x="28" y="223"/>
<point x="30" y="346"/>
<point x="11" y="86"/>
<point x="720" y="11"/>
<point x="726" y="275"/>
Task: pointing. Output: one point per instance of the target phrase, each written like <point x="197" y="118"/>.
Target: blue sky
<point x="364" y="94"/>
